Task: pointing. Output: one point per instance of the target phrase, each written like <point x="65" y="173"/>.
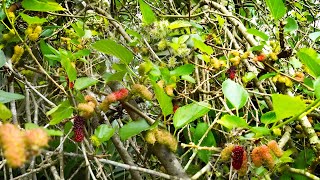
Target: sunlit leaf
<point x="277" y="8"/>
<point x="163" y="99"/>
<point x="235" y="93"/>
<point x="291" y="25"/>
<point x="182" y="70"/>
<point x="104" y="132"/>
<point x="258" y="33"/>
<point x="314" y="36"/>
<point x="84" y="82"/>
<point x="32" y="20"/>
<point x="311" y="59"/>
<point x="133" y="128"/>
<point x="5" y="113"/>
<point x="62" y="111"/>
<point x="40" y="5"/>
<point x="148" y="16"/>
<point x="231" y="122"/>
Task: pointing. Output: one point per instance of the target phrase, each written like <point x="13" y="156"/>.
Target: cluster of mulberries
<point x="86" y="110"/>
<point x="262" y="154"/>
<point x="142" y="91"/>
<point x="238" y="156"/>
<point x="78" y="128"/>
<point x="33" y="32"/>
<point x="119" y="95"/>
<point x="17" y="53"/>
<point x="18" y="144"/>
<point x="161" y="136"/>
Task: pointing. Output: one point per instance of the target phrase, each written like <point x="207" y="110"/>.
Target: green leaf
<point x="179" y="24"/>
<point x="189" y="113"/>
<point x="317" y="87"/>
<point x="117" y="76"/>
<point x="5" y="112"/>
<point x="277" y="8"/>
<point x="69" y="68"/>
<point x="268" y="117"/>
<point x="32" y="20"/>
<point x="61" y="112"/>
<point x="256" y="48"/>
<point x="314" y="36"/>
<point x="163" y="99"/>
<point x="8" y="97"/>
<point x="40" y="5"/>
<point x="2" y="59"/>
<point x="258" y="33"/>
<point x="29" y="126"/>
<point x="260" y="131"/>
<point x="148" y="16"/>
<point x="53" y="132"/>
<point x="235" y="93"/>
<point x="304" y="160"/>
<point x="104" y="132"/>
<point x="267" y="75"/>
<point x="208" y="141"/>
<point x="182" y="70"/>
<point x="188" y="78"/>
<point x="231" y="122"/>
<point x="202" y="46"/>
<point x="310" y="58"/>
<point x="84" y="82"/>
<point x="133" y="128"/>
<point x="286" y="106"/>
<point x="112" y="48"/>
<point x="291" y="25"/>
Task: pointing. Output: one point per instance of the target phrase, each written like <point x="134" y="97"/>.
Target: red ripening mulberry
<point x="273" y="145"/>
<point x="78" y="128"/>
<point x="256" y="156"/>
<point x="261" y="57"/>
<point x="237" y="157"/>
<point x="232" y="72"/>
<point x="267" y="157"/>
<point x="121" y="94"/>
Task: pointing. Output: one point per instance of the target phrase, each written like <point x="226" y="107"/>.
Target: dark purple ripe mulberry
<point x="78" y="128"/>
<point x="237" y="157"/>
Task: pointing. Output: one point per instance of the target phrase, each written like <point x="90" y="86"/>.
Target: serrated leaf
<point x="182" y="70"/>
<point x="202" y="46"/>
<point x="104" y="132"/>
<point x="148" y="16"/>
<point x="6" y="97"/>
<point x="32" y="20"/>
<point x="38" y="5"/>
<point x="133" y="128"/>
<point x="5" y="112"/>
<point x="112" y="48"/>
<point x="84" y="82"/>
<point x="235" y="93"/>
<point x="260" y="131"/>
<point x="258" y="33"/>
<point x="286" y="106"/>
<point x="189" y="113"/>
<point x="269" y="117"/>
<point x="277" y="8"/>
<point x="310" y="58"/>
<point x="291" y="25"/>
<point x="314" y="36"/>
<point x="61" y="112"/>
<point x="163" y="99"/>
<point x="2" y="59"/>
<point x="231" y="122"/>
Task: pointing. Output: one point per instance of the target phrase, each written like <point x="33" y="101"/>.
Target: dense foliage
<point x="145" y="89"/>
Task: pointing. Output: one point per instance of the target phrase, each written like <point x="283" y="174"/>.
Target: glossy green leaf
<point x="286" y="106"/>
<point x="61" y="112"/>
<point x="317" y="87"/>
<point x="182" y="70"/>
<point x="189" y="113"/>
<point x="291" y="25"/>
<point x="5" y="112"/>
<point x="311" y="59"/>
<point x="231" y="122"/>
<point x="208" y="141"/>
<point x="104" y="132"/>
<point x="163" y="99"/>
<point x="260" y="131"/>
<point x="148" y="16"/>
<point x="40" y="5"/>
<point x="32" y="20"/>
<point x="258" y="33"/>
<point x="110" y="47"/>
<point x="8" y="97"/>
<point x="314" y="36"/>
<point x="84" y="82"/>
<point x="202" y="46"/>
<point x="256" y="48"/>
<point x="269" y="117"/>
<point x="179" y="24"/>
<point x="235" y="93"/>
<point x="2" y="59"/>
<point x="133" y="128"/>
<point x="53" y="132"/>
<point x="248" y="77"/>
<point x="277" y="8"/>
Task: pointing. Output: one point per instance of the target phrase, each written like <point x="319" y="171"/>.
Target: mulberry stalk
<point x="78" y="128"/>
